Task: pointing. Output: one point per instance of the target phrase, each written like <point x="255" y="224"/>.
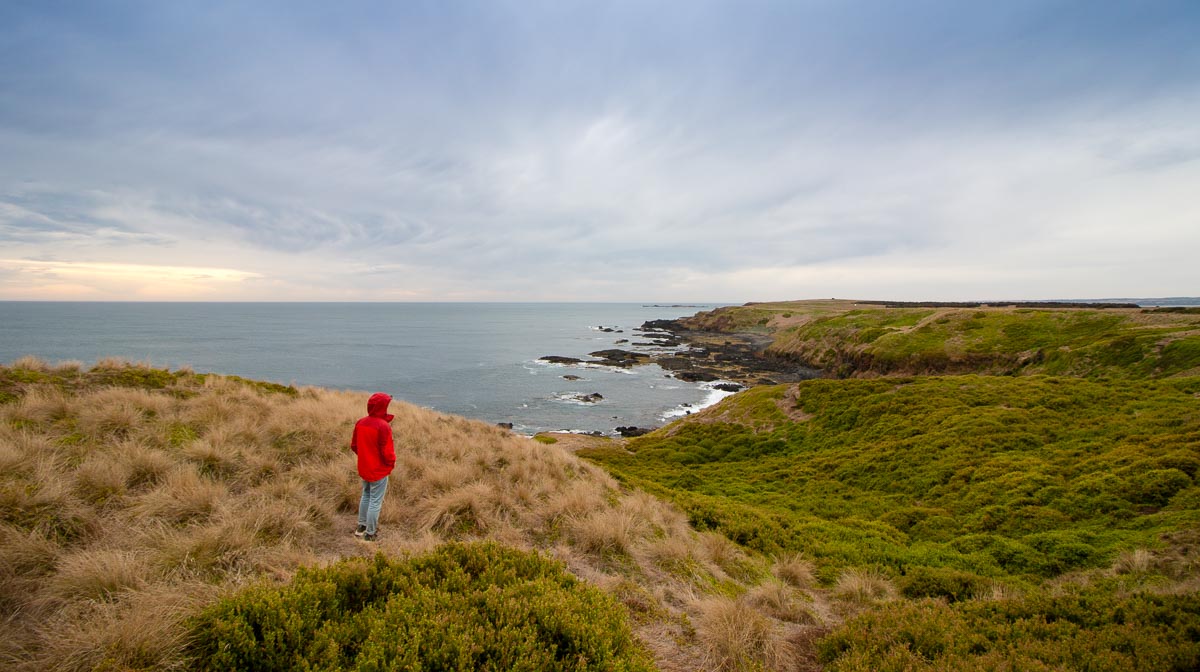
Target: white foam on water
<point x="613" y="369"/>
<point x="588" y="365"/>
<point x="714" y="396"/>
<point x="573" y="399"/>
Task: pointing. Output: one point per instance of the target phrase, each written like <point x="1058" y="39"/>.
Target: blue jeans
<point x="371" y="503"/>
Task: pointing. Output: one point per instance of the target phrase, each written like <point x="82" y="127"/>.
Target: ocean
<point x="478" y="360"/>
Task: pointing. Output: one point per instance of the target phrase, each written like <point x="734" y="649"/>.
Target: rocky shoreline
<point x="741" y="359"/>
<point x="700" y="356"/>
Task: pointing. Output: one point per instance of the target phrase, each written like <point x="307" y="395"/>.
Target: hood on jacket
<point x="377" y="406"/>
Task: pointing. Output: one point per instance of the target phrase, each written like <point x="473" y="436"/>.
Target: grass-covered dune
<point x="1028" y="522"/>
<point x="846" y="338"/>
<point x="154" y="519"/>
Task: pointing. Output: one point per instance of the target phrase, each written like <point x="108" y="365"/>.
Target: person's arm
<point x="354" y="440"/>
<point x="387" y="449"/>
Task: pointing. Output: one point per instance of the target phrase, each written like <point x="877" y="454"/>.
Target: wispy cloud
<point x="605" y="151"/>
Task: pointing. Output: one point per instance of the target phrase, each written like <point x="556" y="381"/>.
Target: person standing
<point x="372" y="442"/>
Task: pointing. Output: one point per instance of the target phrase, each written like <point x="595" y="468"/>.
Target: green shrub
<point x="1062" y="551"/>
<point x="889" y="471"/>
<point x="939" y="582"/>
<point x="461" y="607"/>
<point x="1013" y="556"/>
<point x="1156" y="487"/>
<point x="1085" y="629"/>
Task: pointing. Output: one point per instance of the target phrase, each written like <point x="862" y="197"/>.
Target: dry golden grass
<point x="146" y="467"/>
<point x="998" y="592"/>
<point x="675" y="555"/>
<point x="98" y="574"/>
<point x="39" y="405"/>
<point x="782" y="602"/>
<point x="1133" y="562"/>
<point x="863" y="586"/>
<point x="735" y="637"/>
<point x="30" y="363"/>
<point x="607" y="532"/>
<point x="184" y="496"/>
<point x="729" y="558"/>
<point x="470" y="510"/>
<point x="141" y="632"/>
<point x="101" y="479"/>
<point x="795" y="570"/>
<point x="126" y="509"/>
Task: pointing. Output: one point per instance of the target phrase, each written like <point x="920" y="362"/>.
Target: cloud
<point x="614" y="151"/>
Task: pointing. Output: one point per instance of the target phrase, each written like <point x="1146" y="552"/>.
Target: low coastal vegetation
<point x="877" y="519"/>
<point x="146" y="514"/>
<point x="460" y="607"/>
<point x="981" y="522"/>
<point x="852" y="339"/>
<point x="1010" y="477"/>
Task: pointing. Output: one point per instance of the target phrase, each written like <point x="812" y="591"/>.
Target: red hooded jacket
<point x="372" y="440"/>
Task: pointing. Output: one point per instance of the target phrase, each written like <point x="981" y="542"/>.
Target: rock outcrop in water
<point x="708" y="356"/>
<point x="700" y="357"/>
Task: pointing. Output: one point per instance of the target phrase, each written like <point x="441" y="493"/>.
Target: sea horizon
<point x="476" y="359"/>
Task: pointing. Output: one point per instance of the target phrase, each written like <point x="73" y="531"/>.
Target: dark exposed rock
<point x="622" y="358"/>
<point x="570" y="377"/>
<point x="619" y="341"/>
<point x="670" y="326"/>
<point x="504" y="425"/>
<point x="555" y="359"/>
<point x="616" y="353"/>
<point x="673" y="362"/>
<point x="630" y="432"/>
<point x="742" y="357"/>
<point x="729" y="387"/>
<point x="588" y="398"/>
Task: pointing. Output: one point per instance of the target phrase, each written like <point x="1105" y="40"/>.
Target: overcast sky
<point x="599" y="151"/>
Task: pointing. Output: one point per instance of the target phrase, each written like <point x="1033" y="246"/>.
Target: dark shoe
<point x="362" y="529"/>
<point x="370" y="537"/>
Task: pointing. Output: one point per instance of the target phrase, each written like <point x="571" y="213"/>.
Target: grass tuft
<point x="608" y="533"/>
<point x="183" y="497"/>
<point x="781" y="601"/>
<point x="737" y="637"/>
<point x="864" y="586"/>
<point x="99" y="574"/>
<point x="796" y="570"/>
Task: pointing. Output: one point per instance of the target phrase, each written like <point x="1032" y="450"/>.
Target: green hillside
<point x="949" y="488"/>
<point x="846" y="338"/>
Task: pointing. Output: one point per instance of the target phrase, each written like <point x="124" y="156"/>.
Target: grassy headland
<point x="998" y="522"/>
<point x="853" y="339"/>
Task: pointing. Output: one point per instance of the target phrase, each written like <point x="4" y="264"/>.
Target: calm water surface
<point x="473" y="359"/>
